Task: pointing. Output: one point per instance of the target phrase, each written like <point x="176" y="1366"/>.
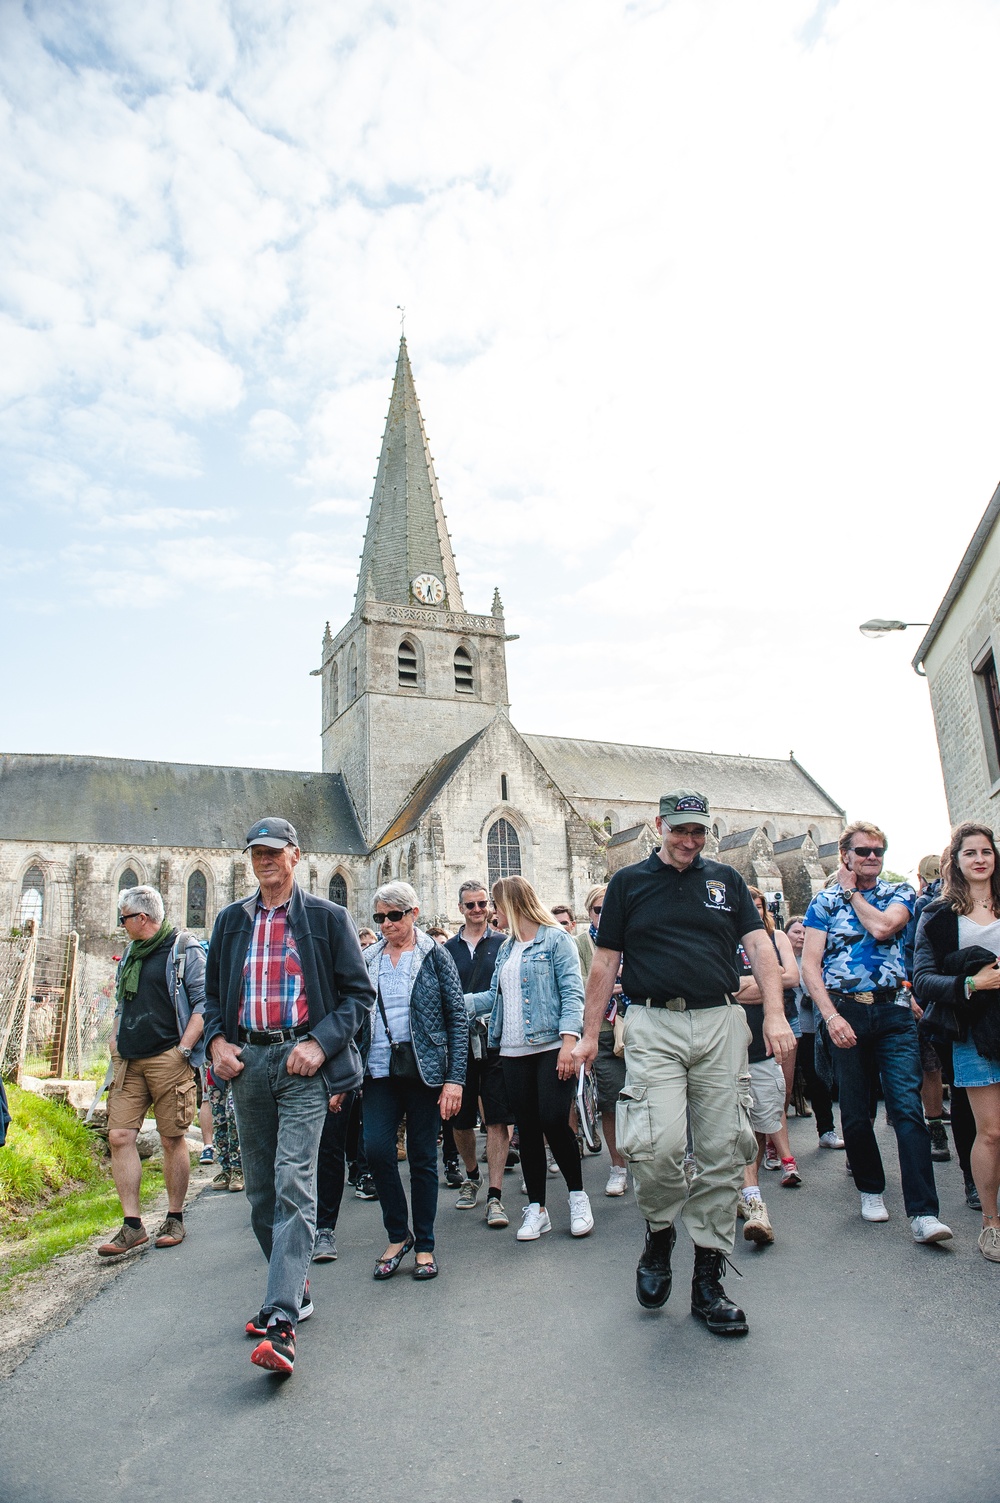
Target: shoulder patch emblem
<point x="716" y="893"/>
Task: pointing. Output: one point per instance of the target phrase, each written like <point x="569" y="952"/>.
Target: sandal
<point x="426" y="1270"/>
<point x="386" y="1267"/>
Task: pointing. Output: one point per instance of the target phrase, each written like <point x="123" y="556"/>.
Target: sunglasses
<point x="392" y="917"/>
<point x="130" y="916"/>
<point x="597" y="907"/>
<point x="478" y="905"/>
<point x="869" y="850"/>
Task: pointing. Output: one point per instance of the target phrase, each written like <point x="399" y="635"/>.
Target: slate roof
<point x="831" y="848"/>
<point x="622" y="837"/>
<point x="738" y="838"/>
<point x="427" y="790"/>
<point x="608" y="770"/>
<point x="116" y="801"/>
<point x="793" y="843"/>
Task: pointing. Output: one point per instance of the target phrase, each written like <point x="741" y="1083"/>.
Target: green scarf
<point x="128" y="978"/>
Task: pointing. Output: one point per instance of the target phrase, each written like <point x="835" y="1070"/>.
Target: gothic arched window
<point x="503" y="851"/>
<point x="32" y="896"/>
<point x="406" y="665"/>
<point x="334" y="693"/>
<point x="386" y="872"/>
<point x="338" y="890"/>
<point x="127" y="879"/>
<point x="197" y="900"/>
<point x="411" y="865"/>
<point x="352" y="675"/>
<point x="463" y="671"/>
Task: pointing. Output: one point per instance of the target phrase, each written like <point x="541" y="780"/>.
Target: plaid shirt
<point x="274" y="994"/>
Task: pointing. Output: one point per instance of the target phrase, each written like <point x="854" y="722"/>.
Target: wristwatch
<point x="187" y="1053"/>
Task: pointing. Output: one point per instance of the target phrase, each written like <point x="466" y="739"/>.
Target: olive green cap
<point x="685" y="808"/>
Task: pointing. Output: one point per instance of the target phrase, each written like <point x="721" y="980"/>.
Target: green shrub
<point x="48" y="1148"/>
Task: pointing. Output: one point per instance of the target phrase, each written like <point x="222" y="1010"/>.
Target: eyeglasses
<point x="392" y="917"/>
<point x="481" y="906"/>
<point x="868" y="850"/>
<point x="125" y="916"/>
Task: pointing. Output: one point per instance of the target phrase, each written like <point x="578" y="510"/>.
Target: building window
<point x="503" y="851"/>
<point x="988" y="697"/>
<point x="32" y="896"/>
<point x="127" y="879"/>
<point x="504" y="787"/>
<point x="338" y="890"/>
<point x="352" y="675"/>
<point x="463" y="671"/>
<point x="197" y="900"/>
<point x="406" y="665"/>
<point x="386" y="872"/>
<point x="334" y="693"/>
<point x="411" y="865"/>
<point x="609" y="825"/>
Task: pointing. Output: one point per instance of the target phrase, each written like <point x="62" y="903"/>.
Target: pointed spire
<point x="407" y="533"/>
<point x="497" y="608"/>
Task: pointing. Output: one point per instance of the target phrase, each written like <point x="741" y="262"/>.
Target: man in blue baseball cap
<point x="286" y="989"/>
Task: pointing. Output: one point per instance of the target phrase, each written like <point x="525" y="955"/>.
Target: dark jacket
<point x="338" y="991"/>
<point x="939" y="972"/>
<point x="439" y="1022"/>
<point x="185" y="966"/>
<point x="926" y="898"/>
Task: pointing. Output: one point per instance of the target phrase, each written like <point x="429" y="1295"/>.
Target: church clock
<point x="428" y="589"/>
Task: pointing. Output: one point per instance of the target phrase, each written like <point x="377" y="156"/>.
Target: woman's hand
<point x="988" y="979"/>
<point x="449" y="1101"/>
<point x="336" y="1102"/>
<point x="566" y="1066"/>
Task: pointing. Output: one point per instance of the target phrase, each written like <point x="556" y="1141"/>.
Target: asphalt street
<point x="527" y="1371"/>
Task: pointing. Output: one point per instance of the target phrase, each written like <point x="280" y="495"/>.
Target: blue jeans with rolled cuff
<point x="887" y="1046"/>
<point x="386" y="1103"/>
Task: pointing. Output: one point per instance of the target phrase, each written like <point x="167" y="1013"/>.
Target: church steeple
<point x="407" y="534"/>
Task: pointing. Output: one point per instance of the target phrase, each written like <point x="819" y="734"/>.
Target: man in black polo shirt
<point x="677" y="919"/>
<point x="474" y="950"/>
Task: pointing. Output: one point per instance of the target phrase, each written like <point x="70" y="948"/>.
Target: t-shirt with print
<point x="854" y="960"/>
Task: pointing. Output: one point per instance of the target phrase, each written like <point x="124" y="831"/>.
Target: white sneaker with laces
<point x="873" y="1208"/>
<point x="831" y="1140"/>
<point x="534" y="1221"/>
<point x="929" y="1229"/>
<point x="581" y="1217"/>
<point x="617" y="1180"/>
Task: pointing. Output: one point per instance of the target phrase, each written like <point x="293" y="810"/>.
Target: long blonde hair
<point x="521" y="903"/>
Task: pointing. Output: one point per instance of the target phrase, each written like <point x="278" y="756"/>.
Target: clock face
<point x="428" y="589"/>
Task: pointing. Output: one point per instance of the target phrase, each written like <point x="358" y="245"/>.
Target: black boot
<point x="652" y="1275"/>
<point x="708" y="1298"/>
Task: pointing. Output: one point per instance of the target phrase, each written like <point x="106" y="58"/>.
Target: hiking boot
<point x="940" y="1152"/>
<point x="325" y="1246"/>
<point x="171" y="1233"/>
<point x="709" y="1300"/>
<point x="366" y="1188"/>
<point x="124" y="1240"/>
<point x="653" y="1278"/>
<point x="277" y="1350"/>
<point x="236" y="1179"/>
<point x="221" y="1180"/>
<point x="496" y="1216"/>
<point x="758" y="1224"/>
<point x="469" y="1195"/>
<point x="453" y="1175"/>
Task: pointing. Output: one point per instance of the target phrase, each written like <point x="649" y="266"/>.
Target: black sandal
<point x="386" y="1267"/>
<point x="426" y="1270"/>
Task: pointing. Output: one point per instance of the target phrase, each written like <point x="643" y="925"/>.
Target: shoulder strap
<point x="184" y="939"/>
<point x="381" y="1008"/>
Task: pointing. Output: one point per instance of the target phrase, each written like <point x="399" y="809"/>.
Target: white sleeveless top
<point x="971" y="933"/>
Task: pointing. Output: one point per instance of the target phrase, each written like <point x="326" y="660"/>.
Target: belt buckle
<point x="867" y="998"/>
<point x="676" y="1004"/>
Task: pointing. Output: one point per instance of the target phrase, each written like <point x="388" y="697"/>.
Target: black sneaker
<point x="277" y="1350"/>
<point x="352" y="1174"/>
<point x="257" y="1324"/>
<point x="972" y="1196"/>
<point x="453" y="1175"/>
<point x="940" y="1152"/>
<point x="365" y="1188"/>
<point x="513" y="1159"/>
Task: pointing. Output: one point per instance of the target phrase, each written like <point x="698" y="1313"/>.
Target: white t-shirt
<point x="971" y="933"/>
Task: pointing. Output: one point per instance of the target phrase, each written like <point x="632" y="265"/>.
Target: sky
<point x="702" y="306"/>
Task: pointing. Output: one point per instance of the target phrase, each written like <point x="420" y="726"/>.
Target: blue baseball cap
<point x="276" y="833"/>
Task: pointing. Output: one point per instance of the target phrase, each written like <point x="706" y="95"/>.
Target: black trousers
<point x="818" y="1093"/>
<point x="540" y="1102"/>
<point x="963" y="1123"/>
<point x="330" y="1164"/>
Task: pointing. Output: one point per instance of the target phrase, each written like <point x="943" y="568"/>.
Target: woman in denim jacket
<point x="535" y="1007"/>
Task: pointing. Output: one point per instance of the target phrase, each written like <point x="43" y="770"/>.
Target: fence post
<point x="62" y="1023"/>
<point x="23" y="985"/>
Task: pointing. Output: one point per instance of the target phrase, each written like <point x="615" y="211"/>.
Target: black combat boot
<point x="708" y="1298"/>
<point x="652" y="1275"/>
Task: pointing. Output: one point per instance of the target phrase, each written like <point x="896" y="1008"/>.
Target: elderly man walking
<point x="156" y="1049"/>
<point x="286" y="991"/>
<point x="678" y="920"/>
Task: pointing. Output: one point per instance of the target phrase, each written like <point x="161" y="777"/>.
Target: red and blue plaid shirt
<point x="274" y="993"/>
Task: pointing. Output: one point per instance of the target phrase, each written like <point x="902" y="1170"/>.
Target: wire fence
<point x="56" y="1006"/>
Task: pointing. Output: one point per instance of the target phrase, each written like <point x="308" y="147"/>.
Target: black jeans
<point x="887" y="1045"/>
<point x="540" y="1102"/>
<point x="818" y="1093"/>
<point x="330" y="1165"/>
<point x="387" y="1102"/>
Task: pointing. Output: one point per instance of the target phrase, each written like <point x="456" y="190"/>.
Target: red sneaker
<point x="277" y="1350"/>
<point x="790" y="1176"/>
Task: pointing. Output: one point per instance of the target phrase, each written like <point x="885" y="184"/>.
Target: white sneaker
<point x="873" y="1208"/>
<point x="617" y="1180"/>
<point x="553" y="1166"/>
<point x="524" y="1188"/>
<point x="929" y="1229"/>
<point x="534" y="1221"/>
<point x="831" y="1140"/>
<point x="581" y="1217"/>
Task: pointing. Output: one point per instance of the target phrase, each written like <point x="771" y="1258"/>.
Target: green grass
<point x="55" y="1185"/>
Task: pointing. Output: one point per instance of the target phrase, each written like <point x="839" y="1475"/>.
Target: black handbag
<point x="402" y="1056"/>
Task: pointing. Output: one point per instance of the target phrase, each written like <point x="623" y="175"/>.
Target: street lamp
<point x="877" y="628"/>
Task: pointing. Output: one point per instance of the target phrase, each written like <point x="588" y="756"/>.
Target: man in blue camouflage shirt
<point x="852" y="966"/>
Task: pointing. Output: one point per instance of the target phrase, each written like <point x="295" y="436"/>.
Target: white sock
<point x="751" y="1192"/>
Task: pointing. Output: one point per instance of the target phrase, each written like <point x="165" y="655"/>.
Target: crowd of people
<point x="336" y="1054"/>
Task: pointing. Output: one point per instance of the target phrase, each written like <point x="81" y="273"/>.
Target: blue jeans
<point x="386" y="1102"/>
<point x="280" y="1119"/>
<point x="887" y="1046"/>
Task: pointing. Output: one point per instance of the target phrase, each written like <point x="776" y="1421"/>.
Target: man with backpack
<point x="156" y="1049"/>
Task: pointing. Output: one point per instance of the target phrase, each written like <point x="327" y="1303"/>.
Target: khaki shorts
<point x="165" y="1082"/>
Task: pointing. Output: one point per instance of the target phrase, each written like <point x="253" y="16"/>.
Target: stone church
<point x="424" y="775"/>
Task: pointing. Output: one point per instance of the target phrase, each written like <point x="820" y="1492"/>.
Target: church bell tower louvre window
<point x="406" y="665"/>
<point x="464" y="683"/>
<point x="503" y="851"/>
<point x="338" y="890"/>
<point x="197" y="900"/>
<point x="32" y="896"/>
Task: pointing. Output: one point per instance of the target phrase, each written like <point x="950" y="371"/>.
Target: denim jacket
<point x="551" y="989"/>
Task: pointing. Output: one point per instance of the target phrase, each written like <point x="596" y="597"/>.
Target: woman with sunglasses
<point x="609" y="1067"/>
<point x="414" y="1045"/>
<point x="535" y="1008"/>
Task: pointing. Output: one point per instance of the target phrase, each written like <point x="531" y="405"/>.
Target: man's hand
<point x="846" y="878"/>
<point x="584" y="1053"/>
<point x="840" y="1032"/>
<point x="449" y="1100"/>
<point x="336" y="1102"/>
<point x="779" y="1039"/>
<point x="226" y="1062"/>
<point x="305" y="1058"/>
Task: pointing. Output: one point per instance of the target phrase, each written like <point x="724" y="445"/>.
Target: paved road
<point x="528" y="1372"/>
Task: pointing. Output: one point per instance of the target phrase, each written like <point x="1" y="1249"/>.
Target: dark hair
<point x="796" y="918"/>
<point x="471" y="886"/>
<point x="956" y="888"/>
<point x="756" y="893"/>
<point x="561" y="908"/>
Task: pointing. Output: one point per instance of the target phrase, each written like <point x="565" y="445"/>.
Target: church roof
<point x="407" y="533"/>
<point x="607" y="770"/>
<point x="427" y="790"/>
<point x="117" y="801"/>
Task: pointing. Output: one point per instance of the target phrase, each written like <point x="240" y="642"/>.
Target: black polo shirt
<point x="475" y="968"/>
<point x="678" y="931"/>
